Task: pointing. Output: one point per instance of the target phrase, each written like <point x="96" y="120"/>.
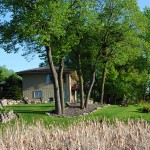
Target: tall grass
<point x="89" y="135"/>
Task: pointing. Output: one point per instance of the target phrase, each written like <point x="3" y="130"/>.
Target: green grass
<point x="122" y="113"/>
<point x="32" y="112"/>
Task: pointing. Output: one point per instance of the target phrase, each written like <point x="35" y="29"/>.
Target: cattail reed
<point x="90" y="135"/>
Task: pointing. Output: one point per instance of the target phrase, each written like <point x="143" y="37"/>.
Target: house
<point x="37" y="84"/>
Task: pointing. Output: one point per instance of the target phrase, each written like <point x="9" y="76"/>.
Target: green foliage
<point x="34" y="25"/>
<point x="145" y="109"/>
<point x="120" y="36"/>
<point x="4" y="73"/>
<point x="13" y="88"/>
<point x="144" y="106"/>
<point x="11" y="84"/>
<point x="1" y="109"/>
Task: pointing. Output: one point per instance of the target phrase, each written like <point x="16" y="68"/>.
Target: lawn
<point x="32" y="112"/>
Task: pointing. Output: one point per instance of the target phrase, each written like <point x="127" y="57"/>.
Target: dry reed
<point x="91" y="135"/>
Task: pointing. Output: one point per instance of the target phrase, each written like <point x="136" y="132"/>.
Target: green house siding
<point x="37" y="82"/>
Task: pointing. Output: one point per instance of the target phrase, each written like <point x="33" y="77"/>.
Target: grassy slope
<point x="37" y="111"/>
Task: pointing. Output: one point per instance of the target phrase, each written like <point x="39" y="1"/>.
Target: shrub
<point x="145" y="109"/>
<point x="13" y="88"/>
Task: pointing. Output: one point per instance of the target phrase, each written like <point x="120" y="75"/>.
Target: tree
<point x="129" y="80"/>
<point x="4" y="73"/>
<point x="34" y="25"/>
<point x="79" y="31"/>
<point x="120" y="35"/>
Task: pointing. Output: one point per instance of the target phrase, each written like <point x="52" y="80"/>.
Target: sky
<point x="17" y="62"/>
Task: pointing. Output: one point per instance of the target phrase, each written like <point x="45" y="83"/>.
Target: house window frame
<point x="37" y="94"/>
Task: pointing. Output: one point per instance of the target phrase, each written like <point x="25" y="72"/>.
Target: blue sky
<point x="17" y="62"/>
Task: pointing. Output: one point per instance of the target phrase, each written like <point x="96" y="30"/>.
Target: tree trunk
<point x="90" y="89"/>
<point x="81" y="92"/>
<point x="61" y="88"/>
<point x="55" y="81"/>
<point x="81" y="83"/>
<point x="103" y="84"/>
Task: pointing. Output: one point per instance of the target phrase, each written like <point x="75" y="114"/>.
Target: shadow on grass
<point x="136" y="111"/>
<point x="30" y="109"/>
<point x="139" y="111"/>
<point x="31" y="112"/>
<point x="28" y="106"/>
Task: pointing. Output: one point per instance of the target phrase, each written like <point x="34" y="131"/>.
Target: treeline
<point x="106" y="41"/>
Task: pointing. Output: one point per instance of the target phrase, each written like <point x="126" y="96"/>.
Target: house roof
<point x="46" y="69"/>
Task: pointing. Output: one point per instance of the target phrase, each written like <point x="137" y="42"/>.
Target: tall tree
<point x="81" y="22"/>
<point x="34" y="25"/>
<point x="120" y="35"/>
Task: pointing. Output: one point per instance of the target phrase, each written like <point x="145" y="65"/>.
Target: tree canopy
<point x="4" y="73"/>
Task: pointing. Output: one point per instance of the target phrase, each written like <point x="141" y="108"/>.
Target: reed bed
<point x="89" y="135"/>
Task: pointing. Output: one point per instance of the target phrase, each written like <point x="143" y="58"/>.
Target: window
<point x="37" y="94"/>
<point x="65" y="94"/>
<point x="48" y="79"/>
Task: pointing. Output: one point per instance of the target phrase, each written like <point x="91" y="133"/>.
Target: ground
<point x="74" y="109"/>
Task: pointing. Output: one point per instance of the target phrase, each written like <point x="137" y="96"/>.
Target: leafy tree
<point x="129" y="80"/>
<point x="4" y="73"/>
<point x="35" y="25"/>
<point x="80" y="32"/>
<point x="120" y="34"/>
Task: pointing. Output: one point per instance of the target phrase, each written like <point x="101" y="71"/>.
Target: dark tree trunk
<point x="90" y="89"/>
<point x="55" y="81"/>
<point x="80" y="82"/>
<point x="103" y="85"/>
<point x="61" y="89"/>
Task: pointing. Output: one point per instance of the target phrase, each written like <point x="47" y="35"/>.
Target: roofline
<point x="44" y="69"/>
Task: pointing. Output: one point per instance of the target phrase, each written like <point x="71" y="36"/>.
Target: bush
<point x="14" y="92"/>
<point x="145" y="109"/>
<point x="13" y="88"/>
